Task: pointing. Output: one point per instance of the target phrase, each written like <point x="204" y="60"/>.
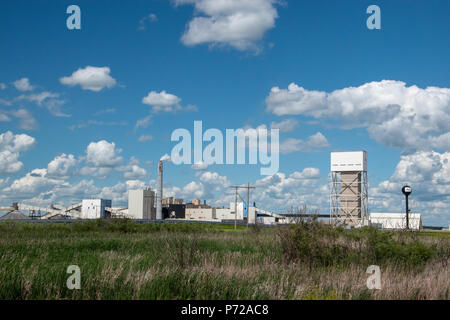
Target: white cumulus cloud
<point x="135" y="172"/>
<point x="62" y="166"/>
<point x="11" y="145"/>
<point x="200" y="166"/>
<point x="32" y="183"/>
<point x="313" y="143"/>
<point x="23" y="85"/>
<point x="165" y="102"/>
<point x="103" y="154"/>
<point x="101" y="158"/>
<point x="90" y="78"/>
<point x="26" y="119"/>
<point x="307" y="173"/>
<point x="240" y="24"/>
<point x="132" y="171"/>
<point x="37" y="188"/>
<point x="394" y="114"/>
<point x="286" y="125"/>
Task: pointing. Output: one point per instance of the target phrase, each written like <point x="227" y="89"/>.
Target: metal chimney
<point x="160" y="191"/>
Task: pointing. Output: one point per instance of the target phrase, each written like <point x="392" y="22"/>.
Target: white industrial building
<point x="224" y="214"/>
<point x="396" y="220"/>
<point x="206" y="214"/>
<point x="221" y="214"/>
<point x="94" y="208"/>
<point x="239" y="209"/>
<point x="141" y="204"/>
<point x="228" y="213"/>
<point x="268" y="220"/>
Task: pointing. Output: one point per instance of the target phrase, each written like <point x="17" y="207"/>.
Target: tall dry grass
<point x="123" y="260"/>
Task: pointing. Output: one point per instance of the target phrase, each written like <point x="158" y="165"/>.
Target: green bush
<point x="321" y="245"/>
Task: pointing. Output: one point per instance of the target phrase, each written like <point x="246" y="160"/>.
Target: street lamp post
<point x="407" y="191"/>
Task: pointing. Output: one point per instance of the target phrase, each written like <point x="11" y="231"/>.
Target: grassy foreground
<point x="124" y="260"/>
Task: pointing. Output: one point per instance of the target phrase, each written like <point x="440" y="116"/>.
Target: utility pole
<point x="235" y="210"/>
<point x="248" y="187"/>
<point x="248" y="202"/>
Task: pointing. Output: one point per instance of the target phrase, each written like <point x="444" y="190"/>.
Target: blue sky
<point x="227" y="72"/>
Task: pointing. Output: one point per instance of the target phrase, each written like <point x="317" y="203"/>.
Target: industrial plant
<point x="349" y="204"/>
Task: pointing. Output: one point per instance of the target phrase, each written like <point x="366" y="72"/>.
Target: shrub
<point x="320" y="245"/>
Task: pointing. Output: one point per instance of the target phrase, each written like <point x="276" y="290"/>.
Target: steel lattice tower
<point x="349" y="192"/>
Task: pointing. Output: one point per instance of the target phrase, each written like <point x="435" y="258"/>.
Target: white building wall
<point x="396" y="220"/>
<point x="94" y="208"/>
<point x="141" y="204"/>
<point x="252" y="215"/>
<point x="240" y="210"/>
<point x="267" y="220"/>
<point x="224" y="214"/>
<point x="200" y="213"/>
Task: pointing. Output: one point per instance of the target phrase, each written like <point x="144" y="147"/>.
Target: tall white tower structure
<point x="349" y="187"/>
<point x="159" y="193"/>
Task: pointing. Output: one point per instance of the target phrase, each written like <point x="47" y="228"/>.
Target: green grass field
<point x="124" y="260"/>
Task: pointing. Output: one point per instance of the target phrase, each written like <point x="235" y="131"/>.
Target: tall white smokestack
<point x="160" y="191"/>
